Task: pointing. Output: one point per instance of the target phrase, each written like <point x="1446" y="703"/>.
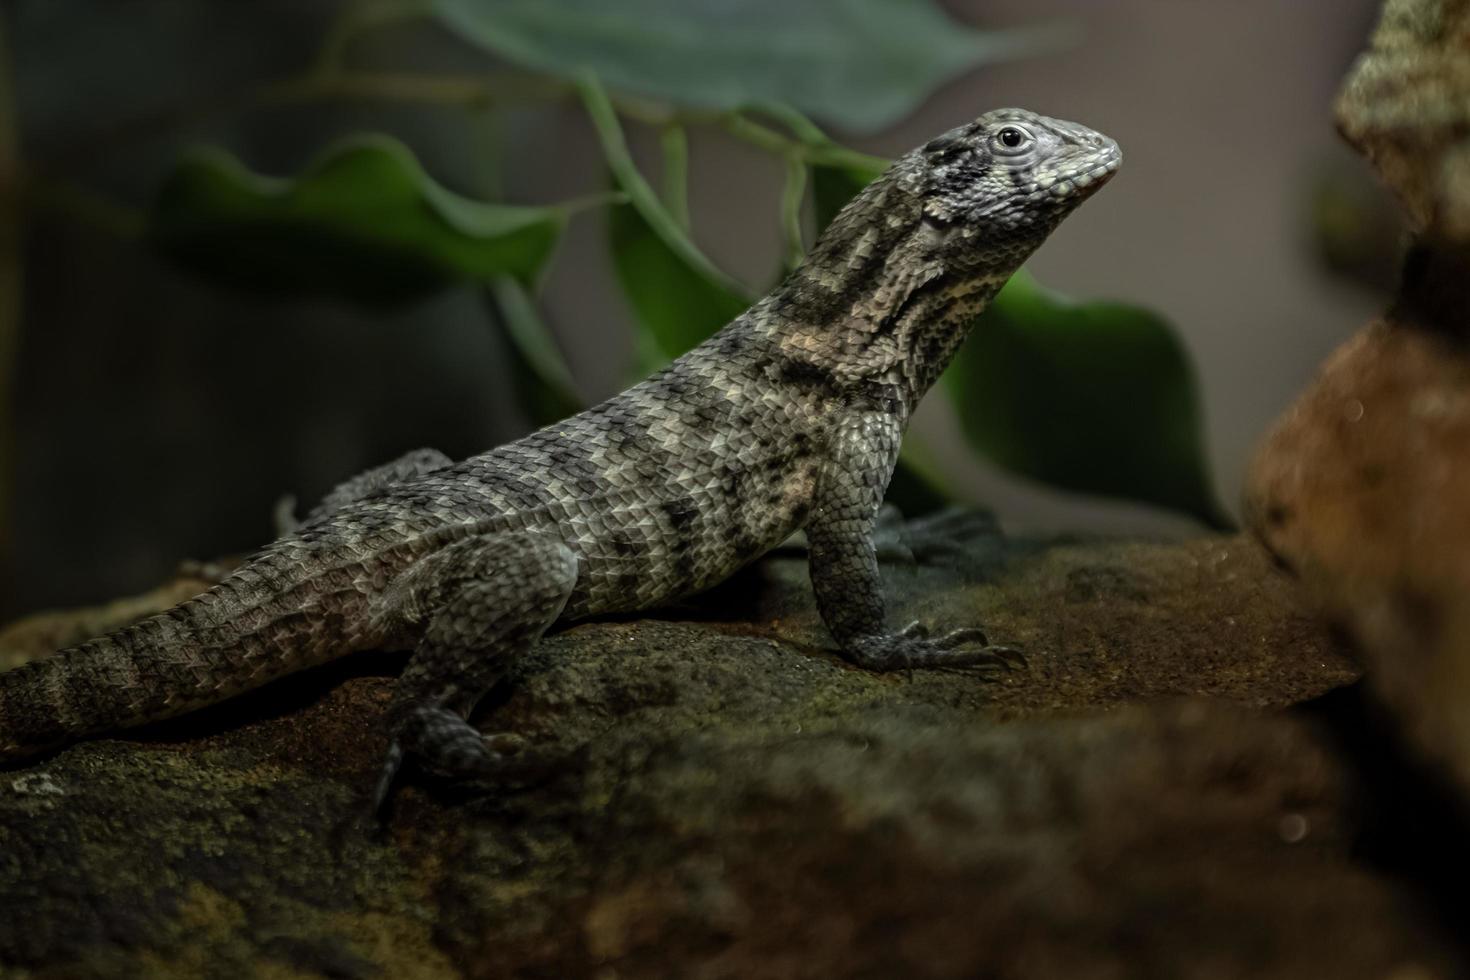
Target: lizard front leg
<point x="475" y="605"/>
<point x="844" y="565"/>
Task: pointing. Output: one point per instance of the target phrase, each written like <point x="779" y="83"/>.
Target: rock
<point x="733" y="800"/>
<point x="1363" y="487"/>
<point x="1406" y="107"/>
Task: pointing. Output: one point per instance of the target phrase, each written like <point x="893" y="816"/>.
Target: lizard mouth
<point x="1086" y="181"/>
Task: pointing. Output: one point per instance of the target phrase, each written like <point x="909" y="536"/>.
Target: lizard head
<point x="969" y="204"/>
<point x="895" y="280"/>
<point x="1006" y="179"/>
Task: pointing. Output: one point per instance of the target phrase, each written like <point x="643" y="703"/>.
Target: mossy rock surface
<point x="730" y="799"/>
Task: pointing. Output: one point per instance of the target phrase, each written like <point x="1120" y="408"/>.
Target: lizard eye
<point x="1012" y="138"/>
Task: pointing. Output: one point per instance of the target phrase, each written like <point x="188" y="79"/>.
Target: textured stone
<point x="1406" y="107"/>
<point x="1363" y="487"/>
<point x="734" y="800"/>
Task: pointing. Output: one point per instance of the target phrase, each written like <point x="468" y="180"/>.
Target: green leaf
<point x="639" y="194"/>
<point x="542" y="380"/>
<point x="675" y="190"/>
<point x="860" y="64"/>
<point x="678" y="295"/>
<point x="676" y="304"/>
<point x="1093" y="397"/>
<point x="793" y="194"/>
<point x="364" y="222"/>
<point x="917" y="487"/>
<point x="833" y="187"/>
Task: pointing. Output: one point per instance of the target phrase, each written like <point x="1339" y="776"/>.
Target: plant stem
<point x="675" y="186"/>
<point x="641" y="196"/>
<point x="461" y="91"/>
<point x="793" y="193"/>
<point x="357" y="19"/>
<point x="476" y="91"/>
<point x="821" y="154"/>
<point x="546" y="386"/>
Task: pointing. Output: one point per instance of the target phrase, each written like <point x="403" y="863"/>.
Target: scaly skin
<point x="790" y="417"/>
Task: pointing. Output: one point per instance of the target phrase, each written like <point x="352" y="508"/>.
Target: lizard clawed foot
<point x="912" y="647"/>
<point x="445" y="744"/>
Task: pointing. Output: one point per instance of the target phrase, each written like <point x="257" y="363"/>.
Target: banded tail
<point x="255" y="626"/>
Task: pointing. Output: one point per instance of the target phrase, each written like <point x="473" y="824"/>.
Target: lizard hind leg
<point x="475" y="606"/>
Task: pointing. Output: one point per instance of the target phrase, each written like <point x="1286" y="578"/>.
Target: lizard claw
<point x="912" y="647"/>
<point x="392" y="763"/>
<point x="445" y="744"/>
<point x="1013" y="659"/>
<point x="960" y="637"/>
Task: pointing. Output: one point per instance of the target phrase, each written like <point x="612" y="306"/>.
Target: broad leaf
<point x="833" y="187"/>
<point x="542" y="380"/>
<point x="679" y="296"/>
<point x="1093" y="397"/>
<point x="676" y="305"/>
<point x="364" y="221"/>
<point x="917" y="488"/>
<point x="860" y="64"/>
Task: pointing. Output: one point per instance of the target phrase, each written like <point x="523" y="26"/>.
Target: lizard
<point x="788" y="418"/>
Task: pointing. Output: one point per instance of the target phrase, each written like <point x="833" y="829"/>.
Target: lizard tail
<point x="242" y="633"/>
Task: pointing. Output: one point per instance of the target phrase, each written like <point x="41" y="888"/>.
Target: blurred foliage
<point x="678" y="296"/>
<point x="860" y="64"/>
<point x="673" y="301"/>
<point x="1093" y="397"/>
<point x="543" y="383"/>
<point x="1096" y="398"/>
<point x="832" y="187"/>
<point x="365" y="222"/>
<point x="1358" y="231"/>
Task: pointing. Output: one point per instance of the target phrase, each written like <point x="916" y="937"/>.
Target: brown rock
<point x="1363" y="487"/>
<point x="1363" y="490"/>
<point x="736" y="801"/>
<point x="1406" y="106"/>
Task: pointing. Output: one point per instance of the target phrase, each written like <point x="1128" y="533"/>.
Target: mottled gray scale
<point x="789" y="417"/>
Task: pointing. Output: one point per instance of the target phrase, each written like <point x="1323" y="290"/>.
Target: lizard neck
<point x="892" y="286"/>
<point x="895" y="281"/>
<point x="898" y="321"/>
<point x="938" y="325"/>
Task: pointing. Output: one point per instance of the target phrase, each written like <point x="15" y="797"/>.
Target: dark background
<point x="158" y="416"/>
